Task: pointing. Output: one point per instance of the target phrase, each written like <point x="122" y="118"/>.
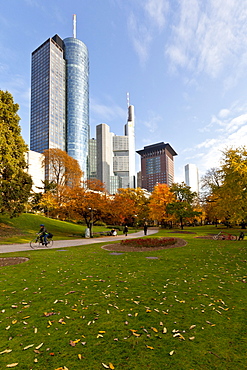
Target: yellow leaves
<point x="149" y="347"/>
<point x="74" y="342"/>
<point x="164" y="330"/>
<point x="29" y="346"/>
<point x="6" y="351"/>
<point x="171" y="353"/>
<point x="39" y="346"/>
<point x="110" y="366"/>
<point x="12" y="365"/>
<point x="179" y="335"/>
<point x="154" y="329"/>
<point x="80" y="357"/>
<point x="14" y="322"/>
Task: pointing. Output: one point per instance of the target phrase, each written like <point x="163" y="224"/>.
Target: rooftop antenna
<point x="128" y="99"/>
<point x="74" y="26"/>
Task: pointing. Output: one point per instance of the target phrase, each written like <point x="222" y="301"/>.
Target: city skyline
<point x="60" y="98"/>
<point x="184" y="66"/>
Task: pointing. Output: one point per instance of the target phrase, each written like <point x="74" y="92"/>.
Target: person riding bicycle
<point x="43" y="234"/>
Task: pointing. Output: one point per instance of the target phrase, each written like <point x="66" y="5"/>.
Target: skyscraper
<point x="116" y="155"/>
<point x="157" y="165"/>
<point x="60" y="98"/>
<point x="191" y="177"/>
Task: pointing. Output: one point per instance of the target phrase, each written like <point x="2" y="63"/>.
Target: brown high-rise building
<point x="157" y="165"/>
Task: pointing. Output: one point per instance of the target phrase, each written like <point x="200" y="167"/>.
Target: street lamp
<point x="91" y="223"/>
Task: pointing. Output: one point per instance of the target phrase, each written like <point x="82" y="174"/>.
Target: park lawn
<point x="86" y="308"/>
<point x="23" y="228"/>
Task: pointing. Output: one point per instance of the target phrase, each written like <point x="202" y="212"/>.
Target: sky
<point x="183" y="63"/>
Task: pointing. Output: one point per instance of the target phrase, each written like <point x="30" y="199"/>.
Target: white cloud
<point x="223" y="113"/>
<point x="141" y="37"/>
<point x="209" y="36"/>
<point x="152" y="123"/>
<point x="144" y="24"/>
<point x="157" y="10"/>
<point x="108" y="112"/>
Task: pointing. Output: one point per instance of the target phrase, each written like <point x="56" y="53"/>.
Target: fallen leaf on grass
<point x="105" y="366"/>
<point x="70" y="292"/>
<point x="149" y="347"/>
<point x="74" y="342"/>
<point x="164" y="330"/>
<point x="12" y="365"/>
<point x="171" y="353"/>
<point x="154" y="329"/>
<point x="39" y="346"/>
<point x="29" y="346"/>
<point x="6" y="351"/>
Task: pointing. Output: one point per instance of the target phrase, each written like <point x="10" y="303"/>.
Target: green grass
<point x="116" y="308"/>
<point x="22" y="229"/>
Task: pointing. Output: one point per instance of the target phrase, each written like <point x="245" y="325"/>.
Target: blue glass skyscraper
<point x="60" y="98"/>
<point x="77" y="98"/>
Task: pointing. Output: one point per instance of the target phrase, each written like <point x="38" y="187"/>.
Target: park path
<point x="75" y="242"/>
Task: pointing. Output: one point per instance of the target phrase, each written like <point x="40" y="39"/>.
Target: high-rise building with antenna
<point x="60" y="97"/>
<point x="116" y="155"/>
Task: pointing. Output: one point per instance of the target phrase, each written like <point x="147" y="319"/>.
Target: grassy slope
<point x="114" y="308"/>
<point x="21" y="229"/>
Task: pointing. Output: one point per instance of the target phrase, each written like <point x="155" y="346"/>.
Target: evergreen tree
<point x="15" y="183"/>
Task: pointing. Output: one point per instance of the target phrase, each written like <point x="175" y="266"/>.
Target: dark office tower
<point x="157" y="165"/>
<point x="48" y="100"/>
<point x="59" y="98"/>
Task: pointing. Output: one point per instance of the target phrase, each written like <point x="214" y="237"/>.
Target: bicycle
<point x="224" y="236"/>
<point x="37" y="243"/>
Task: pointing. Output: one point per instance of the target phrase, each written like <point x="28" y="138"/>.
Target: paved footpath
<point x="73" y="243"/>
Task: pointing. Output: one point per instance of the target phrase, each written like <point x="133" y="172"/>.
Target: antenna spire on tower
<point x="128" y="99"/>
<point x="74" y="26"/>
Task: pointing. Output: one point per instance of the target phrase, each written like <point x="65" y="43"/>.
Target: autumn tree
<point x="90" y="206"/>
<point x="232" y="193"/>
<point x="210" y="197"/>
<point x="15" y="183"/>
<point x="227" y="188"/>
<point x="183" y="205"/>
<point x="94" y="184"/>
<point x="129" y="206"/>
<point x="63" y="169"/>
<point x="160" y="198"/>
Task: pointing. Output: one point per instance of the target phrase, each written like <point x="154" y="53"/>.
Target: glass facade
<point x="77" y="98"/>
<point x="47" y="128"/>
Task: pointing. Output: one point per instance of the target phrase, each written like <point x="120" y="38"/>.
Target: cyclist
<point x="43" y="234"/>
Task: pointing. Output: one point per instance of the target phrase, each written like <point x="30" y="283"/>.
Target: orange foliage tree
<point x="129" y="206"/>
<point x="88" y="205"/>
<point x="160" y="198"/>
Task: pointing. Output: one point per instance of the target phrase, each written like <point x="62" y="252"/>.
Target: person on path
<point x="125" y="230"/>
<point x="145" y="228"/>
<point x="241" y="236"/>
<point x="43" y="234"/>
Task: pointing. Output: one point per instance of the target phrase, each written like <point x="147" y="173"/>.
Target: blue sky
<point x="183" y="62"/>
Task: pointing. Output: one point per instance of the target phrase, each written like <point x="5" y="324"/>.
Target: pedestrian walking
<point x="145" y="228"/>
<point x="125" y="230"/>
